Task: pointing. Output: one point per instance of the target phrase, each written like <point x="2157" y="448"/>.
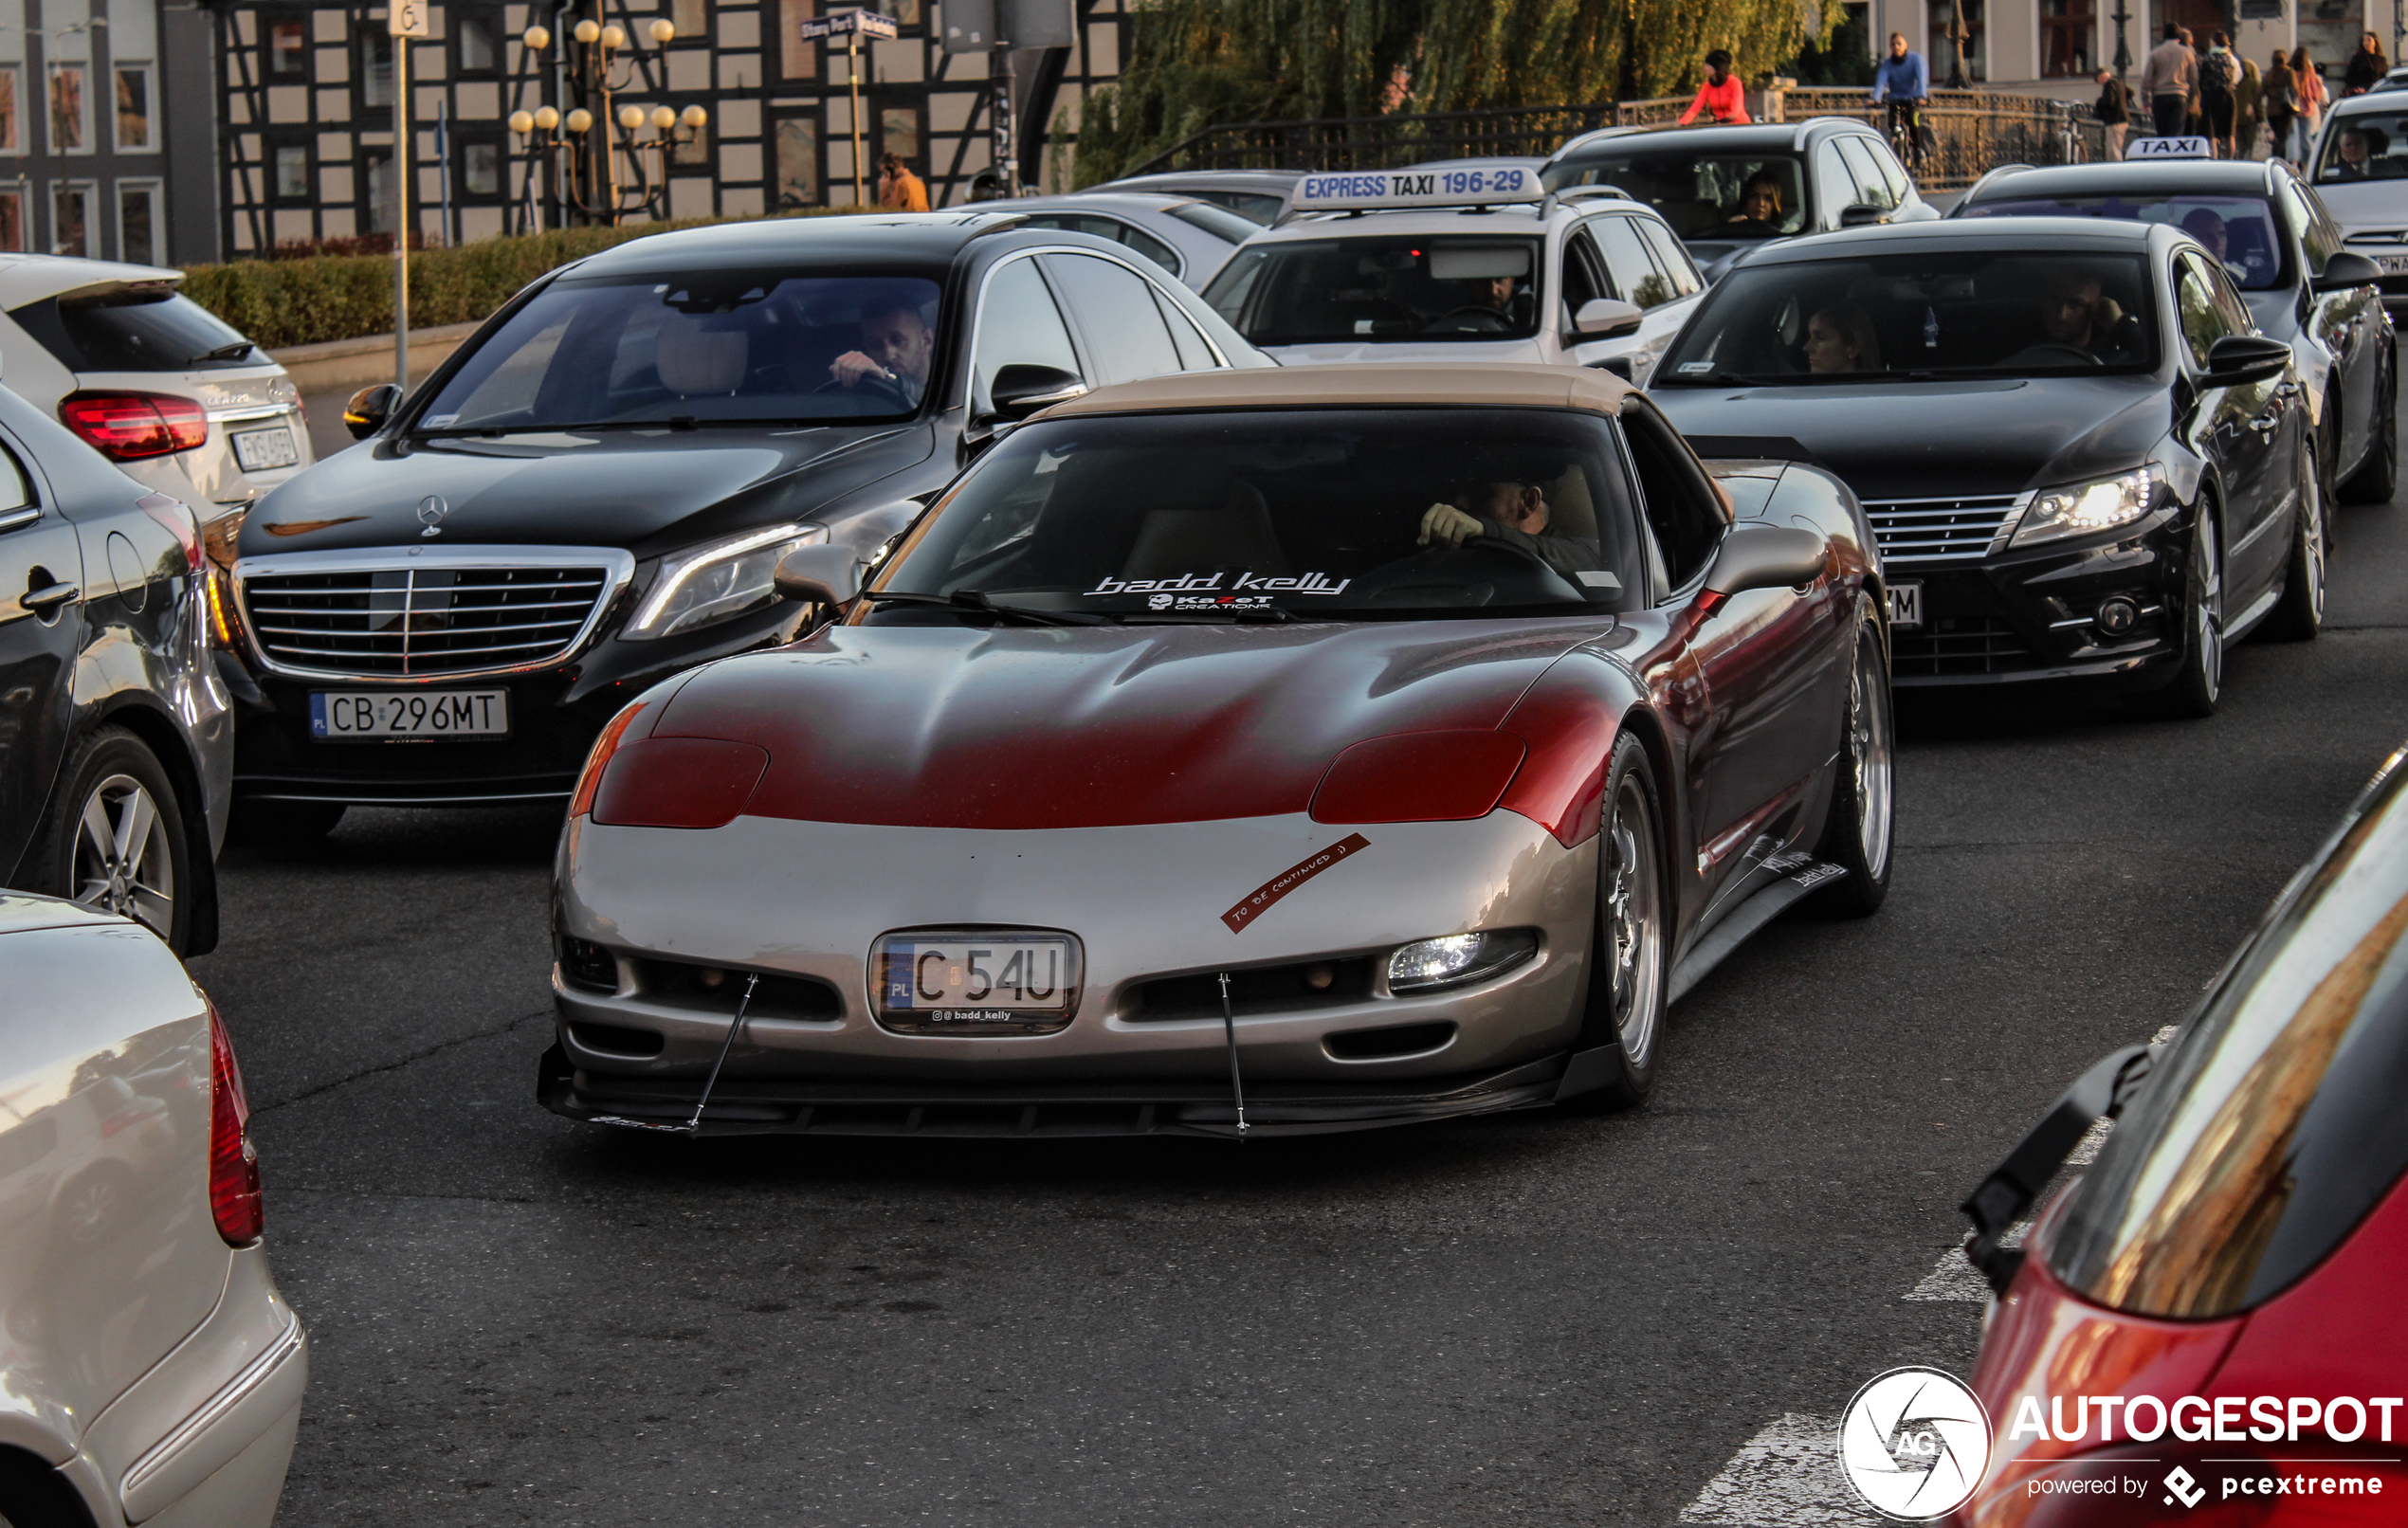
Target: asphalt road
<point x="1529" y="1320"/>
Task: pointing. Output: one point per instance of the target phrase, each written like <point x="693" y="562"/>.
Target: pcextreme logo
<point x="1913" y="1444"/>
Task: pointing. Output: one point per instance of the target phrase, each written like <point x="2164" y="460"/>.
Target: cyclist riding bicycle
<point x="1905" y="84"/>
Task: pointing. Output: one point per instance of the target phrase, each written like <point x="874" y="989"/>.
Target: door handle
<point x="47" y="598"/>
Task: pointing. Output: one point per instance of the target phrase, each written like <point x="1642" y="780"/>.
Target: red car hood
<point x="1022" y="727"/>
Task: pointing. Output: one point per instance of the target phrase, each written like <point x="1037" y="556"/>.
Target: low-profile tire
<point x="283" y="823"/>
<point x="2300" y="613"/>
<point x="2377" y="478"/>
<point x="1858" y="834"/>
<point x="116" y="839"/>
<point x="1631" y="958"/>
<point x="2198" y="683"/>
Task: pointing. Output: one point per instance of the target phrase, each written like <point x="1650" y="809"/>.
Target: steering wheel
<point x="891" y="386"/>
<point x="1483" y="570"/>
<point x="2052" y="350"/>
<point x="1488" y="319"/>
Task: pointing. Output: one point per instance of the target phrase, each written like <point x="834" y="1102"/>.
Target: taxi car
<point x="1286" y="751"/>
<point x="2238" y="1236"/>
<point x="1474" y="264"/>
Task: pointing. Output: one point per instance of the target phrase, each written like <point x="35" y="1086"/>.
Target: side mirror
<point x="1618" y="365"/>
<point x="1862" y="214"/>
<point x="818" y="574"/>
<point x="1755" y="554"/>
<point x="1020" y="390"/>
<point x="369" y="409"/>
<point x="2238" y="358"/>
<point x="2344" y="270"/>
<point x="1602" y="317"/>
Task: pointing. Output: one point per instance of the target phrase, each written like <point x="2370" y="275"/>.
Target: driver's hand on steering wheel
<point x="1445" y="523"/>
<point x="852" y="368"/>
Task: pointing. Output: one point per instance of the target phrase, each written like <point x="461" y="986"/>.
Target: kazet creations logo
<point x="1913" y="1444"/>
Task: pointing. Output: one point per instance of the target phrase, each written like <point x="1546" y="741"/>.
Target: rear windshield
<point x="1975" y="313"/>
<point x="1260" y="207"/>
<point x="1313" y="515"/>
<point x="1396" y="287"/>
<point x="1703" y="195"/>
<point x="134" y="331"/>
<point x="1220" y="221"/>
<point x="2365" y="146"/>
<point x="2275" y="1123"/>
<point x="2238" y="230"/>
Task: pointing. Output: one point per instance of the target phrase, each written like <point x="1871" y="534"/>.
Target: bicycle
<point x="1906" y="132"/>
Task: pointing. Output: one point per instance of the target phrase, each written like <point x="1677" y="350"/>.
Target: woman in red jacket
<point x="1719" y="97"/>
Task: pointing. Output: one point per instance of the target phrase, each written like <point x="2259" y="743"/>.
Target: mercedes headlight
<point x="2087" y="507"/>
<point x="717" y="582"/>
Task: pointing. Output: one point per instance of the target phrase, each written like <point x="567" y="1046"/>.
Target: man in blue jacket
<point x="1903" y="82"/>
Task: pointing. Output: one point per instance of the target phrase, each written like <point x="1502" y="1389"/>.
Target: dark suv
<point x="592" y="492"/>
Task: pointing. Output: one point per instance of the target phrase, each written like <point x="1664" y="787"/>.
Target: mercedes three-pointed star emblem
<point x="432" y="510"/>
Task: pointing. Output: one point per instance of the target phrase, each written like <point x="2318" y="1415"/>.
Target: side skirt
<point x="1799" y="875"/>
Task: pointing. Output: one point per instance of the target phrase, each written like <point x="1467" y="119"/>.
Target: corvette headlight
<point x="717" y="582"/>
<point x="1457" y="959"/>
<point x="2087" y="507"/>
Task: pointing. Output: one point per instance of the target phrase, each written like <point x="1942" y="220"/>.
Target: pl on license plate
<point x="1905" y="605"/>
<point x="975" y="981"/>
<point x="336" y="714"/>
<point x="262" y="451"/>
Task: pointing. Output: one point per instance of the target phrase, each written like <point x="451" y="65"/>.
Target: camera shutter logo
<point x="1914" y="1443"/>
<point x="432" y="510"/>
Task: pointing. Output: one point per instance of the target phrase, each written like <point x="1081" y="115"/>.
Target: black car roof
<point x="2158" y="178"/>
<point x="1968" y="233"/>
<point x="907" y="242"/>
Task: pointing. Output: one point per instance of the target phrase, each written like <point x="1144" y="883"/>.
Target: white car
<point x="1191" y="239"/>
<point x="150" y="1372"/>
<point x="1460" y="265"/>
<point x="152" y="380"/>
<point x="2361" y="171"/>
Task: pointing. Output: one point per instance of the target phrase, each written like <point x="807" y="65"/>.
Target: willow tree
<point x="1194" y="63"/>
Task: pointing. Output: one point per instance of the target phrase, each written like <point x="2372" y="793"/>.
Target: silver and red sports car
<point x="1271" y="752"/>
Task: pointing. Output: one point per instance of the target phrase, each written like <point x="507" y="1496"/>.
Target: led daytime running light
<point x="2084" y="509"/>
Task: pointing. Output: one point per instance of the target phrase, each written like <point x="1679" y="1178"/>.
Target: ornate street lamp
<point x="595" y="174"/>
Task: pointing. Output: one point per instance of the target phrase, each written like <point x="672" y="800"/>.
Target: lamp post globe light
<point x="596" y="174"/>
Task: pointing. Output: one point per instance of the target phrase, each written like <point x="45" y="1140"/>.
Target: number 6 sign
<point x="407" y="18"/>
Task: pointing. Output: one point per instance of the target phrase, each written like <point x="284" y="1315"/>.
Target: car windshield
<point x="1974" y="313"/>
<point x="1703" y="195"/>
<point x="1312" y="514"/>
<point x="2238" y="230"/>
<point x="2365" y="146"/>
<point x="713" y="347"/>
<point x="1381" y="287"/>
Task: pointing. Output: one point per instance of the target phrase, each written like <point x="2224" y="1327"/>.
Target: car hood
<point x="647" y="491"/>
<point x="1926" y="439"/>
<point x="2364" y="205"/>
<point x="1082" y="727"/>
<point x="1406" y="350"/>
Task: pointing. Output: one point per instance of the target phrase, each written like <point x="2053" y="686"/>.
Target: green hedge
<point x="281" y="303"/>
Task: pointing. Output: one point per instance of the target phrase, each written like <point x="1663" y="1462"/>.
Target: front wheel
<point x="2377" y="478"/>
<point x="1627" y="983"/>
<point x="2200" y="683"/>
<point x="1857" y="835"/>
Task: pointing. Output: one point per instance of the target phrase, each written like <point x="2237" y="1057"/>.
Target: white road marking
<point x="1787" y="1476"/>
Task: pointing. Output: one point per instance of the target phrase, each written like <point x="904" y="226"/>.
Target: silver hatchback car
<point x="150" y="1371"/>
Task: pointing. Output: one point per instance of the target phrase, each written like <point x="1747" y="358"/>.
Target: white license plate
<point x="263" y="450"/>
<point x="1905" y="605"/>
<point x="975" y="979"/>
<point x="2391" y="265"/>
<point x="340" y="713"/>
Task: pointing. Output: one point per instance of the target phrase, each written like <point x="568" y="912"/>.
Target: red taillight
<point x="604" y="747"/>
<point x="131" y="426"/>
<point x="233" y="1165"/>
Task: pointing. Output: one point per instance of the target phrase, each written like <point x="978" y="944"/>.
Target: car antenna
<point x="1236" y="1086"/>
<point x="694" y="1126"/>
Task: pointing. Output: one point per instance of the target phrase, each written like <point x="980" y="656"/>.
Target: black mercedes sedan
<point x="2081" y="458"/>
<point x="593" y="493"/>
<point x="2282" y="247"/>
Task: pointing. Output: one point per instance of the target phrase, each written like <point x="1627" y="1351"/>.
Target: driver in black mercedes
<point x="896" y="346"/>
<point x="1514" y="514"/>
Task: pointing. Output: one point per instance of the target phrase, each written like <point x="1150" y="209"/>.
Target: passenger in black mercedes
<point x="896" y="345"/>
<point x="1514" y="514"/>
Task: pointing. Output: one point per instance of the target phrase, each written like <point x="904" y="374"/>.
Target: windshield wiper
<point x="234" y="351"/>
<point x="972" y="599"/>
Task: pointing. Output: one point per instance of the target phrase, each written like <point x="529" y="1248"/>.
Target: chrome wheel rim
<point x="123" y="862"/>
<point x="1869" y="755"/>
<point x="1633" y="927"/>
<point x="2312" y="530"/>
<point x="2207" y="616"/>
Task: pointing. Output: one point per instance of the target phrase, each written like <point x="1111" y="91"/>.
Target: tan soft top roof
<point x="1373" y="384"/>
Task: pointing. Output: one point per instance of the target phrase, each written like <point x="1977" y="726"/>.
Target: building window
<point x="479" y="172"/>
<point x="376" y="67"/>
<point x="2068" y="34"/>
<point x="1976" y="54"/>
<point x="12" y="230"/>
<point x="70" y="110"/>
<point x="906" y="13"/>
<point x="376" y="179"/>
<point x="71" y="218"/>
<point x="287" y="49"/>
<point x="11" y="121"/>
<point x="475" y="33"/>
<point x="134" y="96"/>
<point x="797" y="167"/>
<point x="692" y="19"/>
<point x="898" y="133"/>
<point x="288" y="179"/>
<point x="796" y="58"/>
<point x="138" y="221"/>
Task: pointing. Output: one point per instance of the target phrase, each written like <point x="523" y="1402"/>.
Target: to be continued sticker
<point x="1270" y="891"/>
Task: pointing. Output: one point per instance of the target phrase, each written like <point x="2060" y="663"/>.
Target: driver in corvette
<point x="1516" y="514"/>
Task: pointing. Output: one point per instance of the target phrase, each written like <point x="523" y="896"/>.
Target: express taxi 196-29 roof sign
<point x="1368" y="190"/>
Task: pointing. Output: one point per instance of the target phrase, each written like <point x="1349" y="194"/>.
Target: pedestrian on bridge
<point x="1720" y="98"/>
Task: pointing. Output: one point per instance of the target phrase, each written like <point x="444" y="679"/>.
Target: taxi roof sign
<point x="2184" y="148"/>
<point x="1364" y="191"/>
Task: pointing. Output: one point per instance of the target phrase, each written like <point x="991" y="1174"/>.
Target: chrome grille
<point x="414" y="621"/>
<point x="1940" y="530"/>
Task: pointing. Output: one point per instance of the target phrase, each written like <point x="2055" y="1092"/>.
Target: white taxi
<point x="1459" y="263"/>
